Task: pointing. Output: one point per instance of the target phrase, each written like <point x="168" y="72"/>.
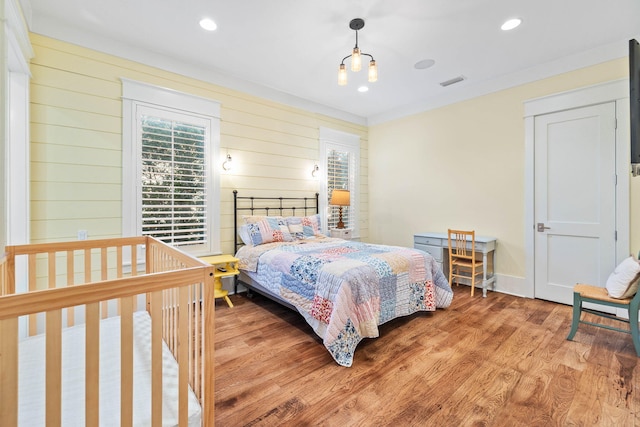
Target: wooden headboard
<point x="271" y="206"/>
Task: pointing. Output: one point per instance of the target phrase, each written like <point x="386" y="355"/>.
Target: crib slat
<point x="70" y="282"/>
<point x="54" y="368"/>
<point x="51" y="265"/>
<point x="87" y="266"/>
<point x="208" y="408"/>
<point x="119" y="270"/>
<point x="126" y="362"/>
<point x="134" y="260"/>
<point x="119" y="261"/>
<point x="192" y="341"/>
<point x="7" y="271"/>
<point x="156" y="358"/>
<point x="9" y="371"/>
<point x="165" y="314"/>
<point x="33" y="322"/>
<point x="183" y="356"/>
<point x="197" y="342"/>
<point x="104" y="265"/>
<point x="92" y="354"/>
<point x="174" y="320"/>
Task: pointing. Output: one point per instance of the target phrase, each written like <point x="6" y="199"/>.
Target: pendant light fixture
<point x="356" y="58"/>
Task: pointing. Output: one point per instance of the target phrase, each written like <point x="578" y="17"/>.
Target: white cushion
<point x="623" y="282"/>
<point x="243" y="232"/>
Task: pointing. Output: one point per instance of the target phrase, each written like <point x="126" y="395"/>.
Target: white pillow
<point x="243" y="232"/>
<point x="623" y="282"/>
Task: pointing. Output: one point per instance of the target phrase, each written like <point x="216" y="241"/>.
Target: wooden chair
<point x="594" y="294"/>
<point x="462" y="257"/>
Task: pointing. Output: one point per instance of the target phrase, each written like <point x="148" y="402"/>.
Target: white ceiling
<point x="289" y="50"/>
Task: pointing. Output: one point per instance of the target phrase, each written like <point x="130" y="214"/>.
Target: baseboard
<point x="510" y="285"/>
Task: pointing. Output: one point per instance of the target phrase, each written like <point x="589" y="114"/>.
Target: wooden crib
<point x="78" y="289"/>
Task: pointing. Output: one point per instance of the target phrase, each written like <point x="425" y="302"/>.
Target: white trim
<point x="510" y="285"/>
<point x="164" y="97"/>
<point x="15" y="86"/>
<point x="600" y="54"/>
<point x="139" y="95"/>
<point x="614" y="91"/>
<point x="339" y="136"/>
<point x="16" y="48"/>
<point x="581" y="97"/>
<point x="529" y="197"/>
<point x="17" y="30"/>
<point x="15" y="125"/>
<point x="18" y="160"/>
<point x="335" y="139"/>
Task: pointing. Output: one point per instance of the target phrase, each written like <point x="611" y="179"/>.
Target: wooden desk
<point x="226" y="265"/>
<point x="437" y="244"/>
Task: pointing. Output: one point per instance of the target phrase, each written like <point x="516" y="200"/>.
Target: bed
<point x="105" y="332"/>
<point x="343" y="289"/>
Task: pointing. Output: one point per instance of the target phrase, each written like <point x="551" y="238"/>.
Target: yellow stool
<point x="226" y="265"/>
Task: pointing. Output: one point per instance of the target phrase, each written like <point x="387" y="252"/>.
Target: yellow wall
<point x="462" y="166"/>
<point x="76" y="142"/>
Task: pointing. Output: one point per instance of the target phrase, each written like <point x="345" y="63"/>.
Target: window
<point x="174" y="196"/>
<point x="170" y="184"/>
<point x="340" y="157"/>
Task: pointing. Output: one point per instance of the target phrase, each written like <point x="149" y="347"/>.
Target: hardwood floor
<point x="497" y="361"/>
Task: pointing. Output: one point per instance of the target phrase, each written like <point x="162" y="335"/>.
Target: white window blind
<point x="338" y="168"/>
<point x="340" y="158"/>
<point x="174" y="199"/>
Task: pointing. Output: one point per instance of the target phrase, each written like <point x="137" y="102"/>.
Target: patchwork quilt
<point x="346" y="289"/>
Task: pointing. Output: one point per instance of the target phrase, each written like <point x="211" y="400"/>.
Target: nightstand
<point x="342" y="233"/>
<point x="226" y="265"/>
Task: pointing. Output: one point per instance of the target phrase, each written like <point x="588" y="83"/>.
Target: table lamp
<point x="340" y="198"/>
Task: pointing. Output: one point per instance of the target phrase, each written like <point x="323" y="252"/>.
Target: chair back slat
<point x="462" y="243"/>
<point x="462" y="257"/>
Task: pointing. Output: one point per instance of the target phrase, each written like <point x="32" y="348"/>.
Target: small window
<point x="340" y="157"/>
<point x="339" y="163"/>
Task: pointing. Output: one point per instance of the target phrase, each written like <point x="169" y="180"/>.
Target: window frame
<point x="137" y="97"/>
<point x="331" y="139"/>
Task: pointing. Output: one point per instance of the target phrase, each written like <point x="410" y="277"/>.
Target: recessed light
<point x="510" y="24"/>
<point x="424" y="64"/>
<point x="363" y="89"/>
<point x="208" y="24"/>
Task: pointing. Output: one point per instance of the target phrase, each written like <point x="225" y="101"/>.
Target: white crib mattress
<point x="31" y="377"/>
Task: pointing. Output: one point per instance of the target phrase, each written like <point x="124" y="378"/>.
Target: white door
<point x="575" y="180"/>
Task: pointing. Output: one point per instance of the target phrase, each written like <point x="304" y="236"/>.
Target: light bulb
<point x="373" y="71"/>
<point x="342" y="75"/>
<point x="356" y="60"/>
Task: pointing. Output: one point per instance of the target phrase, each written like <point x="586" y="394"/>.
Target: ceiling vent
<point x="452" y="81"/>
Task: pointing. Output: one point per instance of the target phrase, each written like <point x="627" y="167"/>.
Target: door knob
<point x="541" y="227"/>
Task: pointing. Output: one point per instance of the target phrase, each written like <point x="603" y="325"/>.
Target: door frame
<point x="614" y="91"/>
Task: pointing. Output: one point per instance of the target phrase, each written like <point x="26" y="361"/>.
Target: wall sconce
<point x="228" y="164"/>
<point x="315" y="171"/>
